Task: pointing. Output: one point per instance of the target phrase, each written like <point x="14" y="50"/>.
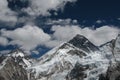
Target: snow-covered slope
<point x="59" y="63"/>
<point x="20" y="57"/>
<point x="77" y="59"/>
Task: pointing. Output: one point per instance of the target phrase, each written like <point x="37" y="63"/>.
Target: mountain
<point x="13" y="66"/>
<point x="112" y="50"/>
<point x="56" y="64"/>
<point x="83" y="43"/>
<point x="77" y="59"/>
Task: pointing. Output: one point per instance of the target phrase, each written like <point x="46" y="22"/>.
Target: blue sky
<point x="37" y="26"/>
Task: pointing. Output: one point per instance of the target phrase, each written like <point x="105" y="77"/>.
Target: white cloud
<point x="53" y="43"/>
<point x="3" y="41"/>
<point x="62" y="22"/>
<point x="27" y="37"/>
<point x="42" y="7"/>
<point x="99" y="36"/>
<point x="6" y="15"/>
<point x="99" y="21"/>
<point x="35" y="9"/>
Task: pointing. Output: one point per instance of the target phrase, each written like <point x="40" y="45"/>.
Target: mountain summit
<point x="83" y="43"/>
<point x="77" y="59"/>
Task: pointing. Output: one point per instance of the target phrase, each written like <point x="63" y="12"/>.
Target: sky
<point x="37" y="26"/>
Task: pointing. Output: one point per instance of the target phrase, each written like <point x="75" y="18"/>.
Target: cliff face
<point x="77" y="59"/>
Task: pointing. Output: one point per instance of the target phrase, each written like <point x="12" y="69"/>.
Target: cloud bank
<point x="35" y="9"/>
<point x="99" y="36"/>
<point x="29" y="37"/>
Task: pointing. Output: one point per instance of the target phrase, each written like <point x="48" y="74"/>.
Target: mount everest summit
<point x="77" y="59"/>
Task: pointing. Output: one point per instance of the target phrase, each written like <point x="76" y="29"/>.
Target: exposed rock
<point x="77" y="73"/>
<point x="113" y="73"/>
<point x="13" y="71"/>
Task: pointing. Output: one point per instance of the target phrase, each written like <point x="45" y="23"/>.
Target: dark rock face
<point x="77" y="73"/>
<point x="113" y="73"/>
<point x="83" y="43"/>
<point x="13" y="71"/>
<point x="2" y="58"/>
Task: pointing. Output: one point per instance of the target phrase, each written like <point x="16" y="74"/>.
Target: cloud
<point x="4" y="52"/>
<point x="53" y="43"/>
<point x="99" y="36"/>
<point x="28" y="37"/>
<point x="3" y="41"/>
<point x="6" y="15"/>
<point x="99" y="21"/>
<point x="62" y="22"/>
<point x="27" y="11"/>
<point x="42" y="7"/>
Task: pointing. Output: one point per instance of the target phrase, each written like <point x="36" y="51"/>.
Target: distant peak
<point x="83" y="43"/>
<point x="79" y="39"/>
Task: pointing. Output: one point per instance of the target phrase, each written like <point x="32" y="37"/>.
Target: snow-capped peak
<point x="61" y="60"/>
<point x="17" y="53"/>
<point x="19" y="57"/>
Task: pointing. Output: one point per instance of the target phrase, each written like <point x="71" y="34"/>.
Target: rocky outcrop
<point x="77" y="73"/>
<point x="13" y="71"/>
<point x="113" y="73"/>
